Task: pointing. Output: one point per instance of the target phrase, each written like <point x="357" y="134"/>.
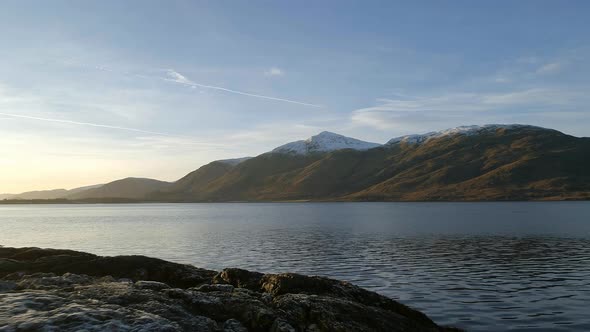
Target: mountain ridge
<point x="461" y="130"/>
<point x="489" y="162"/>
<point x="493" y="162"/>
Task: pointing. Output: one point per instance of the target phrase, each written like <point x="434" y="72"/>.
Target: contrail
<point x="97" y="125"/>
<point x="84" y="124"/>
<point x="179" y="78"/>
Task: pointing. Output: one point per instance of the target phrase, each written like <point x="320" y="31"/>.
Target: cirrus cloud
<point x="550" y="68"/>
<point x="411" y="114"/>
<point x="274" y="71"/>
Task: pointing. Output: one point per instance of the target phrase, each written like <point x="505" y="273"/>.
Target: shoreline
<point x="139" y="292"/>
<point x="127" y="201"/>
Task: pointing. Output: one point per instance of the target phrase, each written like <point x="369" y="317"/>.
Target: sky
<point x="91" y="92"/>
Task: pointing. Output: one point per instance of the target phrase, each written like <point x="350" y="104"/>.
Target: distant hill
<point x="493" y="162"/>
<point x="130" y="188"/>
<point x="43" y="194"/>
<point x="47" y="194"/>
<point x="188" y="187"/>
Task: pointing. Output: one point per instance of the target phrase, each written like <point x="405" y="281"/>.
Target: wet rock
<point x="50" y="281"/>
<point x="291" y="283"/>
<point x="336" y="314"/>
<point x="29" y="254"/>
<point x="154" y="285"/>
<point x="244" y="306"/>
<point x="215" y="288"/>
<point x="239" y="278"/>
<point x="278" y="284"/>
<point x="32" y="260"/>
<point x="34" y="311"/>
<point x="6" y="286"/>
<point x="233" y="325"/>
<point x="281" y="325"/>
<point x="62" y="290"/>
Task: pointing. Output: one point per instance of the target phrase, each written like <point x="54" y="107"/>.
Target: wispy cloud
<point x="176" y="77"/>
<point x="550" y="68"/>
<point x="274" y="71"/>
<point x="421" y="112"/>
<point x="28" y="117"/>
<point x="537" y="96"/>
<point x="502" y="79"/>
<point x="534" y="68"/>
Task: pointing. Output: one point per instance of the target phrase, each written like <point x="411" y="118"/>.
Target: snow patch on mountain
<point x="324" y="142"/>
<point x="234" y="161"/>
<point x="462" y="130"/>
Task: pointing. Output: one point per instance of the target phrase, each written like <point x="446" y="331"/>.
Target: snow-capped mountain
<point x="462" y="130"/>
<point x="327" y="141"/>
<point x="324" y="142"/>
<point x="454" y="169"/>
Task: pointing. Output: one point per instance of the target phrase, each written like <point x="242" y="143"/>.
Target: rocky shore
<point x="64" y="290"/>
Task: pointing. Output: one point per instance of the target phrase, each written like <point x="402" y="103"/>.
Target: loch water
<point x="522" y="266"/>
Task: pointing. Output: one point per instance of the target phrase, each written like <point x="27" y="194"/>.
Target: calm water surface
<point x="480" y="266"/>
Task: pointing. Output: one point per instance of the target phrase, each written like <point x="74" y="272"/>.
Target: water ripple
<point x="478" y="266"/>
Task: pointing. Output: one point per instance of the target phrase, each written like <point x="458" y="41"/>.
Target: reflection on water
<point x="481" y="266"/>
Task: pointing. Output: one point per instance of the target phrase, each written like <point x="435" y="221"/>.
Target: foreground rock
<point x="50" y="290"/>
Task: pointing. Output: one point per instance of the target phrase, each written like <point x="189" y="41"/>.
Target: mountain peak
<point x="327" y="133"/>
<point x="324" y="142"/>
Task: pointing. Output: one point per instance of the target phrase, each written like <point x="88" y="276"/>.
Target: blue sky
<point x="95" y="91"/>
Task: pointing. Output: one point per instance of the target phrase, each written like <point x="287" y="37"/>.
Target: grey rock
<point x="239" y="278"/>
<point x="61" y="290"/>
<point x="233" y="325"/>
<point x="6" y="286"/>
<point x="50" y="280"/>
<point x="281" y="325"/>
<point x="215" y="288"/>
<point x="153" y="285"/>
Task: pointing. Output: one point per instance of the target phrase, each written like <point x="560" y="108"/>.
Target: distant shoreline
<point x="130" y="201"/>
